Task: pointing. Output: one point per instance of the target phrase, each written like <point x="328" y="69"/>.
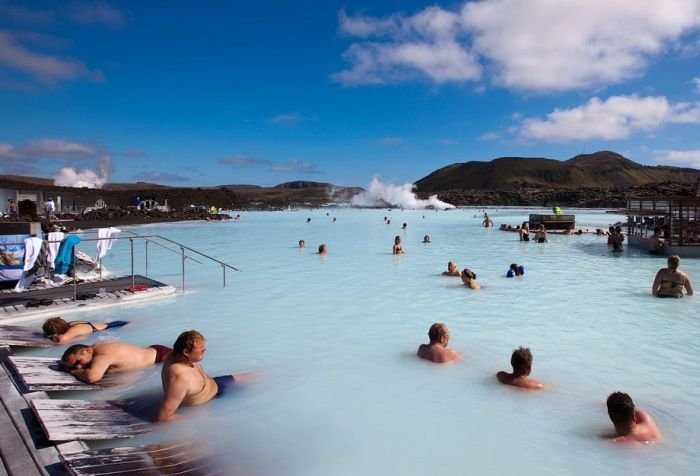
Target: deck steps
<point x="21" y="336"/>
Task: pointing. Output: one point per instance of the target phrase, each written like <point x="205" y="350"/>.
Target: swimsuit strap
<point x="94" y="329"/>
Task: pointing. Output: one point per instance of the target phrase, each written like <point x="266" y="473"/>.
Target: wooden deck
<point x="65" y="420"/>
<point x="41" y="373"/>
<point x="24" y="337"/>
<point x="54" y="300"/>
<point x="24" y="450"/>
<point x="181" y="459"/>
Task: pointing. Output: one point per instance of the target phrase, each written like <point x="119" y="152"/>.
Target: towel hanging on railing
<point x="105" y="245"/>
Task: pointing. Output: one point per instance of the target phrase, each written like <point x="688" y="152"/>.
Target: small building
<point x="677" y="217"/>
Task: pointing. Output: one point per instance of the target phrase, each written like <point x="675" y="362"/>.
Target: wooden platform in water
<point x="42" y="373"/>
<point x="24" y="337"/>
<point x="178" y="459"/>
<point x="24" y="450"/>
<point x="64" y="420"/>
<point x="53" y="300"/>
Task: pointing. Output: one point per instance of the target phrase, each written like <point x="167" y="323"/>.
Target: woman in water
<point x="525" y="232"/>
<point x="469" y="279"/>
<point x="670" y="282"/>
<point x="59" y="330"/>
<point x="541" y="235"/>
<point x="397" y="249"/>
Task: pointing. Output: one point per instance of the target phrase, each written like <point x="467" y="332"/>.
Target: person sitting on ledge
<point x="184" y="381"/>
<point x="656" y="243"/>
<point x="451" y="269"/>
<point x="521" y="360"/>
<point x="90" y="363"/>
<point x="437" y="351"/>
<point x="631" y="424"/>
<point x="515" y="271"/>
<point x="59" y="330"/>
<point x="469" y="279"/>
<point x="670" y="281"/>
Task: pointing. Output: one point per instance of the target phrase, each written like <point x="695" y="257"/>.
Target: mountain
<point x="297" y="184"/>
<point x="602" y="169"/>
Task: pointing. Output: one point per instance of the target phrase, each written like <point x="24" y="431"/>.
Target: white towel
<point x="104" y="245"/>
<point x="32" y="246"/>
<point x="56" y="236"/>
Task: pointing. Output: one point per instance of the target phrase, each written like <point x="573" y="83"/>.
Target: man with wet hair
<point x="184" y="381"/>
<point x="437" y="351"/>
<point x="631" y="424"/>
<point x="90" y="363"/>
<point x="521" y="360"/>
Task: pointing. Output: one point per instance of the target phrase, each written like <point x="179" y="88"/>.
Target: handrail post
<point x="133" y="280"/>
<point x="75" y="276"/>
<point x="146" y="258"/>
<point x="223" y="268"/>
<point x="182" y="250"/>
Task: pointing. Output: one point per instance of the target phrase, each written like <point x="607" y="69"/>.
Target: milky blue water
<point x="341" y="391"/>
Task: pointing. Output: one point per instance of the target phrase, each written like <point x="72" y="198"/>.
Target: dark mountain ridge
<point x="602" y="169"/>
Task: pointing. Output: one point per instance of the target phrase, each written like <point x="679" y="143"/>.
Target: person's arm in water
<point x="657" y="283"/>
<point x="688" y="286"/>
<point x="176" y="393"/>
<point x="94" y="373"/>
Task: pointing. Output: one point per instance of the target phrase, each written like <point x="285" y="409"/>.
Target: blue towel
<point x="64" y="257"/>
<point x="113" y="324"/>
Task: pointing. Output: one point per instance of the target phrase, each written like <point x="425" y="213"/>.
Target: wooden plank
<point x="61" y="420"/>
<point x="151" y="459"/>
<point x="42" y="373"/>
<point x="24" y="336"/>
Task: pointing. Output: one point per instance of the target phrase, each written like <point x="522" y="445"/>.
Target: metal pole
<point x="75" y="277"/>
<point x="133" y="280"/>
<point x="223" y="268"/>
<point x="146" y="258"/>
<point x="100" y="263"/>
<point x="182" y="250"/>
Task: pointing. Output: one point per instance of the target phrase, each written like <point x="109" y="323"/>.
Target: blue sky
<point x="209" y="93"/>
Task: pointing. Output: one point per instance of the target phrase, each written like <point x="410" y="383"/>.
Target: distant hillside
<point x="603" y="169"/>
<point x="297" y="184"/>
<point x="134" y="186"/>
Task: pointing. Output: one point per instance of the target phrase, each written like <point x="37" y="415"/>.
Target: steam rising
<point x="70" y="177"/>
<point x="379" y="194"/>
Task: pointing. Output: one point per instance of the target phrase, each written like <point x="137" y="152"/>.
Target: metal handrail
<point x="147" y="240"/>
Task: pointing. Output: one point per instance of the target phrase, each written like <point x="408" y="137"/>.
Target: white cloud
<point x="390" y="140"/>
<point x="488" y="136"/>
<point x="538" y="45"/>
<point x="98" y="13"/>
<point x="449" y="141"/>
<point x="422" y="45"/>
<point x="696" y="82"/>
<point x="288" y="118"/>
<point x="679" y="158"/>
<point x="614" y="118"/>
<point x="41" y="67"/>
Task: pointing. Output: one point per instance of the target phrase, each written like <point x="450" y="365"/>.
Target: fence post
<point x="133" y="280"/>
<point x="224" y="270"/>
<point x="75" y="276"/>
<point x="146" y="258"/>
<point x="182" y="250"/>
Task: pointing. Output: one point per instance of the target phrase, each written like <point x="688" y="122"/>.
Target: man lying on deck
<point x="90" y="363"/>
<point x="184" y="380"/>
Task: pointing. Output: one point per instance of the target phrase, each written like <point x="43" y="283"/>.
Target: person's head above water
<point x="674" y="261"/>
<point x="426" y="239"/>
<point x="621" y="411"/>
<point x="468" y="275"/>
<point x="451" y="266"/>
<point x="404" y="225"/>
<point x="322" y="249"/>
<point x="301" y="243"/>
<point x="189" y="347"/>
<point x="55" y="326"/>
<point x="397" y="239"/>
<point x="521" y="360"/>
<point x="77" y="356"/>
<point x="439" y="334"/>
